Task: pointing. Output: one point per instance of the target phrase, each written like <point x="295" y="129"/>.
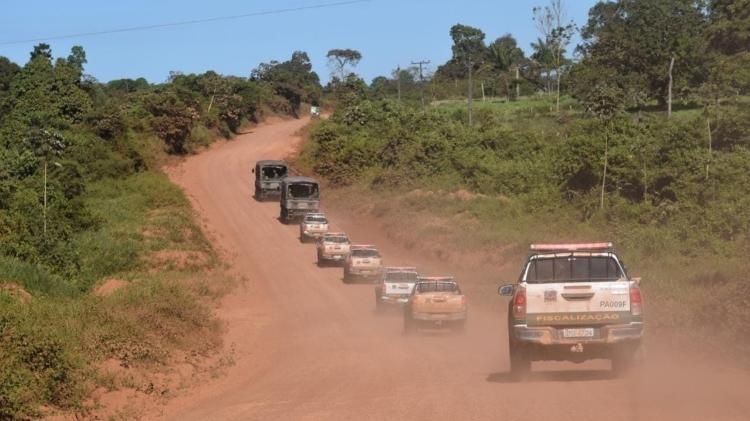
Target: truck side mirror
<point x="506" y="290"/>
<point x="253" y="170"/>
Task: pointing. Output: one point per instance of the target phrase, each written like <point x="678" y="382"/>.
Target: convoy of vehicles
<point x="574" y="302"/>
<point x="395" y="286"/>
<point x="268" y="175"/>
<point x="313" y="225"/>
<point x="435" y="301"/>
<point x="363" y="261"/>
<point x="332" y="247"/>
<point x="299" y="196"/>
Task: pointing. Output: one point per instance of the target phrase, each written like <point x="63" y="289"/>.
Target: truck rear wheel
<point x="520" y="363"/>
<point x="347" y="275"/>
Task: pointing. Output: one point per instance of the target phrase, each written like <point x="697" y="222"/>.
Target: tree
<point x="601" y="94"/>
<point x="505" y="56"/>
<point x="340" y="59"/>
<point x="469" y="50"/>
<point x="41" y="50"/>
<point x="551" y="23"/>
<point x="77" y="57"/>
<point x="46" y="144"/>
<point x="293" y="79"/>
<point x="640" y="38"/>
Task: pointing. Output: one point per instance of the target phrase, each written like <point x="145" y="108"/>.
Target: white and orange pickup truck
<point x="574" y="302"/>
<point x="435" y="301"/>
<point x="364" y="261"/>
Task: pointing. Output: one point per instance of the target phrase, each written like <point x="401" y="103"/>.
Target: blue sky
<point x="387" y="32"/>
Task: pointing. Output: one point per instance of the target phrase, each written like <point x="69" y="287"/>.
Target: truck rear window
<point x="571" y="268"/>
<point x="401" y="277"/>
<point x="365" y="253"/>
<point x="273" y="172"/>
<point x="303" y="190"/>
<point x="337" y="240"/>
<point x="437" y="287"/>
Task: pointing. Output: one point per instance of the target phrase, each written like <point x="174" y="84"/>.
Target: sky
<point x="388" y="33"/>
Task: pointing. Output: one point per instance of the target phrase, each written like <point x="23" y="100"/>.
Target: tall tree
<point x="506" y="57"/>
<point x="469" y="50"/>
<point x="551" y="21"/>
<point x="339" y="59"/>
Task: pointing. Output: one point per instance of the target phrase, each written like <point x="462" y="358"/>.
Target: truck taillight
<point x="519" y="304"/>
<point x="636" y="301"/>
<point x="463" y="300"/>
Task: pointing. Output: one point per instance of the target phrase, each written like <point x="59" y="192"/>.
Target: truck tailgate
<point x="578" y="303"/>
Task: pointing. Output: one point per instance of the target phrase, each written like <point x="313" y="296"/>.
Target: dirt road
<point x="309" y="347"/>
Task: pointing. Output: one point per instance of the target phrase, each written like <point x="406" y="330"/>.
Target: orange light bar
<point x="571" y="247"/>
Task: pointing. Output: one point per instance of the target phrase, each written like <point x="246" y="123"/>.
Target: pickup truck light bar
<point x="435" y="279"/>
<point x="572" y="247"/>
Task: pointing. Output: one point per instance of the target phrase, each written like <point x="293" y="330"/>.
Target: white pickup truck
<point x="332" y="247"/>
<point x="364" y="261"/>
<point x="574" y="302"/>
<point x="395" y="286"/>
<point x="313" y="225"/>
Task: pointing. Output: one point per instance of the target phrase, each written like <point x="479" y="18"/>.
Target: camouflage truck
<point x="574" y="302"/>
<point x="268" y="176"/>
<point x="299" y="196"/>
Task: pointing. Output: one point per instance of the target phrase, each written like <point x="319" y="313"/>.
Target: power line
<point x="188" y="22"/>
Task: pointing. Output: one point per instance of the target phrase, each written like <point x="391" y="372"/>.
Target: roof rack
<point x="603" y="246"/>
<point x="334" y="234"/>
<point x="400" y="269"/>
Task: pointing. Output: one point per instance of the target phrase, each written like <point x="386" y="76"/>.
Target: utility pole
<point x="398" y="82"/>
<point x="421" y="76"/>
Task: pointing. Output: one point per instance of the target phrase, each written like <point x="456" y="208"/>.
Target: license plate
<point x="587" y="332"/>
<point x="365" y="262"/>
<point x="302" y="206"/>
<point x="403" y="286"/>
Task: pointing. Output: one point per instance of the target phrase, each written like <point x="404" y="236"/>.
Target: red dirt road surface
<point x="309" y="347"/>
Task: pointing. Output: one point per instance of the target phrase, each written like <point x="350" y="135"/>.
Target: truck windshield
<point x="273" y="172"/>
<point x="572" y="268"/>
<point x="316" y="220"/>
<point x="303" y="190"/>
<point x="438" y="287"/>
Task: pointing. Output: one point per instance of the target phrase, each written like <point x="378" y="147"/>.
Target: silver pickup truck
<point x="574" y="302"/>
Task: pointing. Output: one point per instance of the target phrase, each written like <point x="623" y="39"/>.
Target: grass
<point x="52" y="344"/>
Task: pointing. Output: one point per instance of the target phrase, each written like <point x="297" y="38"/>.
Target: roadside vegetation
<point x="100" y="258"/>
<point x="646" y="145"/>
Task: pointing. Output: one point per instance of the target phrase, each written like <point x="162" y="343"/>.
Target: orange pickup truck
<point x="435" y="301"/>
